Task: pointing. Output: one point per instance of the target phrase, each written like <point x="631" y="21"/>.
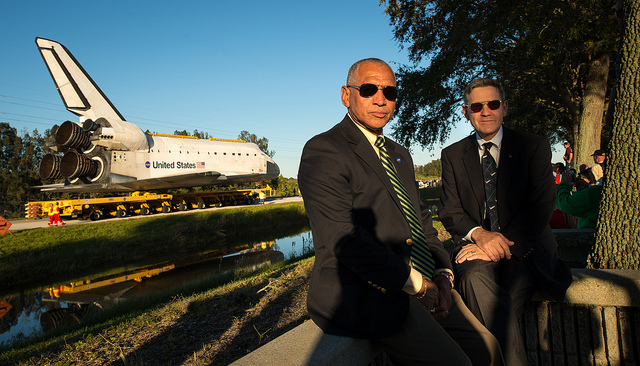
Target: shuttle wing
<point x="174" y="181"/>
<point x="131" y="184"/>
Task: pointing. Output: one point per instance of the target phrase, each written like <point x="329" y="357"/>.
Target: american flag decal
<point x="200" y="165"/>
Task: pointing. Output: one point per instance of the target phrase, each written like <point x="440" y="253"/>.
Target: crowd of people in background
<point x="428" y="183"/>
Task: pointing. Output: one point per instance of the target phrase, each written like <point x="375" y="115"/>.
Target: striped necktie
<point x="490" y="174"/>
<point x="420" y="253"/>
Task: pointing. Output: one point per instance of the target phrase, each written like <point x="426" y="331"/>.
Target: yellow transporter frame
<point x="143" y="203"/>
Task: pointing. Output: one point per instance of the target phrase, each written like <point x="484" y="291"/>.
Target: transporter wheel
<point x="94" y="215"/>
<point x="202" y="205"/>
<point x="166" y="209"/>
<point x="121" y="213"/>
<point x="183" y="207"/>
<point x="145" y="210"/>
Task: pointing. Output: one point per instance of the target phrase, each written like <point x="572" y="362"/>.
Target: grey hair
<point x="482" y="82"/>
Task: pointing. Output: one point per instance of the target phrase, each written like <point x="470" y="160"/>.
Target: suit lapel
<point x="404" y="169"/>
<point x="363" y="149"/>
<point x="508" y="164"/>
<point x="471" y="161"/>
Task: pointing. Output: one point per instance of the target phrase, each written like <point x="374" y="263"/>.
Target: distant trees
<point x="430" y="170"/>
<point x="196" y="133"/>
<point x="20" y="156"/>
<point x="263" y="143"/>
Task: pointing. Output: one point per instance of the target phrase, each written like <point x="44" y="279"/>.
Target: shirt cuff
<point x="414" y="282"/>
<point x="468" y="237"/>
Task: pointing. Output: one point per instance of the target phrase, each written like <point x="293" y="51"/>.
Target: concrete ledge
<point x="595" y="325"/>
<point x="574" y="245"/>
<point x="308" y="345"/>
<point x="604" y="287"/>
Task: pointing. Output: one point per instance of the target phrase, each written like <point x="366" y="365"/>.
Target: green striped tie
<point x="420" y="253"/>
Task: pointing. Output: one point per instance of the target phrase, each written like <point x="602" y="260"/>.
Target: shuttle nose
<point x="273" y="169"/>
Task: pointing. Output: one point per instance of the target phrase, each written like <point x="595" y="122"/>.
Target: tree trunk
<point x="592" y="110"/>
<point x="618" y="230"/>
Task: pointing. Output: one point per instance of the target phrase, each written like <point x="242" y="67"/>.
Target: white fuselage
<point x="168" y="156"/>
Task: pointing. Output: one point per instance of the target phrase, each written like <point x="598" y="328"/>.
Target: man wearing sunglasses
<point x="365" y="283"/>
<point x="498" y="195"/>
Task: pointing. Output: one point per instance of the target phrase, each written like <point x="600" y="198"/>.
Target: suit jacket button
<point x="409" y="241"/>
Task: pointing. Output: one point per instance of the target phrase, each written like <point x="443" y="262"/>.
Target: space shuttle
<point x="105" y="153"/>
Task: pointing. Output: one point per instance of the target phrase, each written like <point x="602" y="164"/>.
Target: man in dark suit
<point x="363" y="278"/>
<point x="500" y="260"/>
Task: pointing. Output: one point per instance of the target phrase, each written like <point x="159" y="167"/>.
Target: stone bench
<point x="597" y="324"/>
<point x="308" y="345"/>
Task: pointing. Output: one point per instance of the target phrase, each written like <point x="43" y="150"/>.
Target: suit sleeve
<point x="341" y="231"/>
<point x="451" y="211"/>
<point x="534" y="204"/>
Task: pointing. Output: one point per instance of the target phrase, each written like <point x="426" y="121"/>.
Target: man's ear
<point x="344" y="95"/>
<point x="505" y="104"/>
<point x="464" y="111"/>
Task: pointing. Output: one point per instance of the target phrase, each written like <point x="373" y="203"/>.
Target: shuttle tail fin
<point x="80" y="94"/>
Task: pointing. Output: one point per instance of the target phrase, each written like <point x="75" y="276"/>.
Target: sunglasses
<point x="369" y="90"/>
<point x="477" y="107"/>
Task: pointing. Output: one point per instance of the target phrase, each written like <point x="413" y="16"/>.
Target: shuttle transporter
<point x="105" y="153"/>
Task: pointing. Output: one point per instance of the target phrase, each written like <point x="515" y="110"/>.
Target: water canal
<point x="30" y="315"/>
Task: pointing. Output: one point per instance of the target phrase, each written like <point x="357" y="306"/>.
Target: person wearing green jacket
<point x="584" y="204"/>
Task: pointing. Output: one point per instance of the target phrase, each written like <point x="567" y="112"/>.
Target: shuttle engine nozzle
<point x="75" y="165"/>
<point x="50" y="167"/>
<point x="71" y="135"/>
<point x="89" y="126"/>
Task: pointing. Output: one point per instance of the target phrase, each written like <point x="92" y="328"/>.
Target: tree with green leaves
<point x="431" y="170"/>
<point x="553" y="57"/>
<point x="263" y="143"/>
<point x="618" y="230"/>
<point x="196" y="133"/>
<point x="19" y="155"/>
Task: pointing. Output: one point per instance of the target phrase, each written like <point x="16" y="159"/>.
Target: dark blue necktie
<point x="490" y="174"/>
<point x="420" y="253"/>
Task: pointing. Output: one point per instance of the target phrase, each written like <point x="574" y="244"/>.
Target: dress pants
<point x="458" y="339"/>
<point x="497" y="294"/>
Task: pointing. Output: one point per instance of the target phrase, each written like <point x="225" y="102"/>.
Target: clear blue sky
<point x="273" y="68"/>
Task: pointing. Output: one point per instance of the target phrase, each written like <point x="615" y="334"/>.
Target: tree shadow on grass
<point x="215" y="330"/>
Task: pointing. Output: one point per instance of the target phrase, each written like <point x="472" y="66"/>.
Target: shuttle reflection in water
<point x="30" y="315"/>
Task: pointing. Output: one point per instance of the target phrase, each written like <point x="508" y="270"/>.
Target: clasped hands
<point x="435" y="296"/>
<point x="487" y="246"/>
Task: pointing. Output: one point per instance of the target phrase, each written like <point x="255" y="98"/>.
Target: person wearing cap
<point x="599" y="157"/>
<point x="368" y="222"/>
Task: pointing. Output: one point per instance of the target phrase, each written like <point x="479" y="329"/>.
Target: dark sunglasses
<point x="369" y="90"/>
<point x="477" y="107"/>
